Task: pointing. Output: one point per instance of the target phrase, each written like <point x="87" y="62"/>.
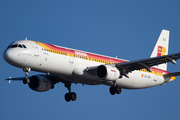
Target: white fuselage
<point x="72" y="68"/>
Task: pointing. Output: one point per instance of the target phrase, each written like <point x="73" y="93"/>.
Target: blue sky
<point x="127" y="29"/>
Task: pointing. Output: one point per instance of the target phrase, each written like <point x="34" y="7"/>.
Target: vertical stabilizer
<point x="161" y="47"/>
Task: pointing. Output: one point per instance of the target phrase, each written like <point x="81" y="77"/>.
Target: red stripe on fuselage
<point x="89" y="55"/>
<point x="159" y="70"/>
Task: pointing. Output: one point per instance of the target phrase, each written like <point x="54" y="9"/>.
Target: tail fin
<point x="161" y="48"/>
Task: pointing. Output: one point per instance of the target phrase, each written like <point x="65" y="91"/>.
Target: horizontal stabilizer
<point x="172" y="74"/>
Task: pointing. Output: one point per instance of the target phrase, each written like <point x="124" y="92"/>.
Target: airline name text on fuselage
<point x="80" y="53"/>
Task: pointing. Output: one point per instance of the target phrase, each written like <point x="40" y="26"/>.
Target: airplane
<point x="66" y="65"/>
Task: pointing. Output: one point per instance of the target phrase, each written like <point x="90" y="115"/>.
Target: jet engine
<point x="107" y="72"/>
<point x="39" y="83"/>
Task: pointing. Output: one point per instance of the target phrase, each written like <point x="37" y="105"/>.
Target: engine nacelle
<point x="107" y="72"/>
<point x="39" y="83"/>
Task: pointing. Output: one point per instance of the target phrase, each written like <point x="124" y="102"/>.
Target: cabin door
<point x="71" y="57"/>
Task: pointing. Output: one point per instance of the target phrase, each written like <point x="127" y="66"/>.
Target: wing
<point x="16" y="79"/>
<point x="53" y="78"/>
<point x="130" y="66"/>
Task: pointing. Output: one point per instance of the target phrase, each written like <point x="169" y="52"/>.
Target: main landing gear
<point x="70" y="95"/>
<point x="115" y="89"/>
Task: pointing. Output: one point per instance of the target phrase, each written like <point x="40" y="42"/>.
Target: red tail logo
<point x="161" y="51"/>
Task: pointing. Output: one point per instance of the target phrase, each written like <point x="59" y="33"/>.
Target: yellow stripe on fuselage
<point x="42" y="45"/>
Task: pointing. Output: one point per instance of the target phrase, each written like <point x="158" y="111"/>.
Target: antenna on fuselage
<point x="26" y="38"/>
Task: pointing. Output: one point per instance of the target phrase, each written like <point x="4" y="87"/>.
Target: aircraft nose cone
<point x="8" y="55"/>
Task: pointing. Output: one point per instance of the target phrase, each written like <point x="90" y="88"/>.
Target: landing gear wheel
<point x="118" y="90"/>
<point x="70" y="96"/>
<point x="112" y="90"/>
<point x="24" y="81"/>
<point x="67" y="97"/>
<point x="73" y="96"/>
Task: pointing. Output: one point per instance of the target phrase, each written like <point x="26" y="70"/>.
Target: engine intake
<point x="106" y="72"/>
<point x="39" y="83"/>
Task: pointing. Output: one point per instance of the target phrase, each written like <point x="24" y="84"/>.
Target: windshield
<point x="17" y="45"/>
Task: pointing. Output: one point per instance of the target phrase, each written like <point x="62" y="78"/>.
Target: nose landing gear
<point x="26" y="70"/>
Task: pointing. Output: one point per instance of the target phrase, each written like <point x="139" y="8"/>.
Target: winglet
<point x="9" y="79"/>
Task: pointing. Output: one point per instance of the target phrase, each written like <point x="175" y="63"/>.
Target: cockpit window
<point x="14" y="46"/>
<point x="24" y="46"/>
<point x="17" y="45"/>
<point x="20" y="46"/>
